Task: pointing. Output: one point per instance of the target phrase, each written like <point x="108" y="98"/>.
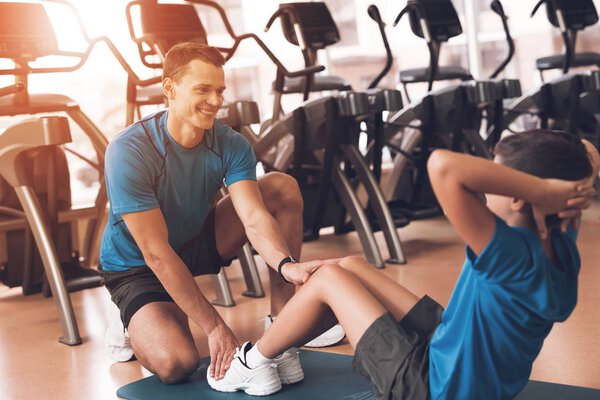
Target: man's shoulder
<point x="229" y="139"/>
<point x="222" y="130"/>
<point x="142" y="136"/>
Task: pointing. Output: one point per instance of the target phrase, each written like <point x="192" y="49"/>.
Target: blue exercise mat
<point x="327" y="376"/>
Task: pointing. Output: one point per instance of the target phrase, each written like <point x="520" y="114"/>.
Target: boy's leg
<point x="331" y="288"/>
<point x="283" y="200"/>
<point x="162" y="341"/>
<point x="393" y="296"/>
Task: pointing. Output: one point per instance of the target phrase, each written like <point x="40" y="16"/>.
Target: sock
<point x="255" y="359"/>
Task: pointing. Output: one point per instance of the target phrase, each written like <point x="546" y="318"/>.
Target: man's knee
<point x="174" y="368"/>
<point x="280" y="189"/>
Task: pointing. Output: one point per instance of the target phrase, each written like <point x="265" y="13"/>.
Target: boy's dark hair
<point x="546" y="154"/>
<point x="182" y="54"/>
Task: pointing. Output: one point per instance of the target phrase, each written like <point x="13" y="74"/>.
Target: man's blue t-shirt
<point x="503" y="307"/>
<point x="146" y="169"/>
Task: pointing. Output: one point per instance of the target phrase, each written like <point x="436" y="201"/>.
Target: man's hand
<point x="222" y="345"/>
<point x="300" y="273"/>
<point x="564" y="198"/>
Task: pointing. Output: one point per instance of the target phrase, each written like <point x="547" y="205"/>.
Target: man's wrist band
<point x="288" y="259"/>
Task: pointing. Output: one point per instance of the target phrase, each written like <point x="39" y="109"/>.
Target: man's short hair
<point x="182" y="54"/>
<point x="546" y="154"/>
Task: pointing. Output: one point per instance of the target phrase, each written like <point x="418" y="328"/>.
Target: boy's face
<point x="197" y="95"/>
<point x="499" y="205"/>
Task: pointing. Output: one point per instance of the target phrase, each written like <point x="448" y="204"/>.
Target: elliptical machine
<point x="571" y="101"/>
<point x="436" y="21"/>
<point x="447" y="118"/>
<point x="569" y="17"/>
<point x="310" y="26"/>
<point x="32" y="163"/>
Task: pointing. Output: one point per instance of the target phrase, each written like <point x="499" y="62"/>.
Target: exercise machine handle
<point x="373" y="12"/>
<point x="11" y="89"/>
<point x="240" y="38"/>
<point x="498" y="9"/>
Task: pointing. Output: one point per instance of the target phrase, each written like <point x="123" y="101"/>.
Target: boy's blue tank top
<point x="146" y="169"/>
<point x="502" y="308"/>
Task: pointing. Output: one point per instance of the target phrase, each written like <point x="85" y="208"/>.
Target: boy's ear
<point x="517" y="205"/>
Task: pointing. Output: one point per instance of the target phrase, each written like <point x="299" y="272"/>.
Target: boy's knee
<point x="173" y="369"/>
<point x="353" y="262"/>
<point x="328" y="273"/>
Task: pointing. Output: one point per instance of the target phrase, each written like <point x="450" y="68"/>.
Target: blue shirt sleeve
<point x="240" y="161"/>
<point x="506" y="256"/>
<point x="129" y="179"/>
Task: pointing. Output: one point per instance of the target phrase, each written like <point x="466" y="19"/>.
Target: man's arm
<point x="458" y="181"/>
<point x="150" y="233"/>
<point x="263" y="231"/>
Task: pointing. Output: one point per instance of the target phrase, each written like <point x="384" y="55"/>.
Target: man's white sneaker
<point x="116" y="338"/>
<point x="328" y="338"/>
<point x="289" y="368"/>
<point x="260" y="381"/>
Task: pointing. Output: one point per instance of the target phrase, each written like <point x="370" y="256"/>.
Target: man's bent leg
<point x="162" y="341"/>
<point x="283" y="200"/>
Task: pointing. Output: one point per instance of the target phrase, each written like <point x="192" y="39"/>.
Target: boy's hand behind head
<point x="594" y="158"/>
<point x="565" y="198"/>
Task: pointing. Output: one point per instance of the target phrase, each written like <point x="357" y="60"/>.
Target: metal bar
<point x="358" y="216"/>
<point x="251" y="277"/>
<point x="378" y="204"/>
<point x="35" y="218"/>
<point x="408" y="140"/>
<point x="222" y="290"/>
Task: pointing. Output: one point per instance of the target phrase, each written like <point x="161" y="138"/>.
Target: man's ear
<point x="168" y="88"/>
<point x="517" y="205"/>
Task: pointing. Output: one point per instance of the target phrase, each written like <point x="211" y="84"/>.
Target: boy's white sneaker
<point x="116" y="338"/>
<point x="328" y="338"/>
<point x="288" y="367"/>
<point x="260" y="381"/>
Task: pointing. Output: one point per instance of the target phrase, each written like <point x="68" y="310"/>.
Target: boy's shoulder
<point x="509" y="251"/>
<point x="516" y="252"/>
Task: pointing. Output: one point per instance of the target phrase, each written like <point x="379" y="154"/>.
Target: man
<point x="162" y="174"/>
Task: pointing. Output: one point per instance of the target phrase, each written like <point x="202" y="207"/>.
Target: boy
<point x="519" y="278"/>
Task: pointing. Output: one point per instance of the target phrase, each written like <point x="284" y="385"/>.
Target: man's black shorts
<point x="132" y="289"/>
<point x="394" y="355"/>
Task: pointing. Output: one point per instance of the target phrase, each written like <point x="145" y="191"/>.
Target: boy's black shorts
<point x="132" y="289"/>
<point x="394" y="355"/>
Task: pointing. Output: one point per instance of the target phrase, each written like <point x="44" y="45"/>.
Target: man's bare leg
<point x="282" y="198"/>
<point x="162" y="342"/>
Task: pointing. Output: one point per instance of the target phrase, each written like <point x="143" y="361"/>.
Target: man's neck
<point x="185" y="135"/>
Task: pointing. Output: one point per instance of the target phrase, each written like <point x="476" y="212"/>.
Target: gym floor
<point x="33" y="365"/>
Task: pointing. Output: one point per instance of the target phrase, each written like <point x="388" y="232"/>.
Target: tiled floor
<point x="33" y="365"/>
